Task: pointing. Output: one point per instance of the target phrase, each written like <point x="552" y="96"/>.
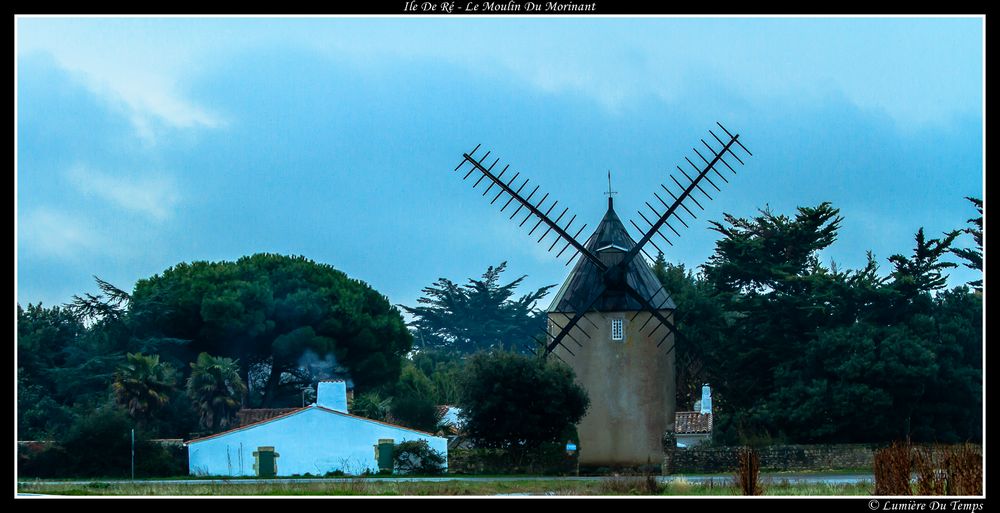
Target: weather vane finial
<point x="610" y="192"/>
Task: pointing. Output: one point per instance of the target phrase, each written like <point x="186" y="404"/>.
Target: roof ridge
<point x="299" y="410"/>
<point x="397" y="426"/>
<point x="263" y="421"/>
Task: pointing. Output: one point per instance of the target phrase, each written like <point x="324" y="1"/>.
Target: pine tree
<point x="477" y="316"/>
<point x="974" y="256"/>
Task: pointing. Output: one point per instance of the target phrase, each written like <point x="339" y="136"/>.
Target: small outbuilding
<point x="318" y="439"/>
<point x="692" y="428"/>
<point x="695" y="427"/>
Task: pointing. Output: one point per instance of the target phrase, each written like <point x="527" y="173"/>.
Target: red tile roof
<point x="376" y="421"/>
<point x="692" y="422"/>
<point x="240" y="428"/>
<point x="248" y="416"/>
<point x="299" y="410"/>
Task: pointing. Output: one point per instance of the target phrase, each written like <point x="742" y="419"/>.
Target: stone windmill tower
<point x="628" y="375"/>
<point x="612" y="321"/>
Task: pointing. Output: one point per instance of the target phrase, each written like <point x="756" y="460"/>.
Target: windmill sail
<point x="612" y="320"/>
<point x="527" y="205"/>
<point x="609" y="277"/>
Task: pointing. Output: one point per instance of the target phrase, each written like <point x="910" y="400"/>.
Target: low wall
<point x="548" y="460"/>
<point x="774" y="458"/>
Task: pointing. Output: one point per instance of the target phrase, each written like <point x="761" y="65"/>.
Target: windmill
<point x="612" y="320"/>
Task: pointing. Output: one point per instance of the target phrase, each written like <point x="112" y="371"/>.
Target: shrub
<point x="154" y="459"/>
<point x="930" y="480"/>
<point x="949" y="470"/>
<point x="748" y="472"/>
<point x="49" y="461"/>
<point x="549" y="459"/>
<point x="964" y="468"/>
<point x="518" y="403"/>
<point x="892" y="468"/>
<point x="416" y="412"/>
<point x="417" y="457"/>
<point x="631" y="484"/>
<point x="100" y="445"/>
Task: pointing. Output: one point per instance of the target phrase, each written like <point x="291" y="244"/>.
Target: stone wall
<point x="775" y="458"/>
<point x="551" y="459"/>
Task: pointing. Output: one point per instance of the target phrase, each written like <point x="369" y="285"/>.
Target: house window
<point x="617" y="329"/>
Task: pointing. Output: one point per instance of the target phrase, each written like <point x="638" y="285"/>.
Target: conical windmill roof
<point x="609" y="237"/>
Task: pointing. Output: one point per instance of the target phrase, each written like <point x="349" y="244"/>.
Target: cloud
<point x="152" y="195"/>
<point x="149" y="100"/>
<point x="57" y="234"/>
<point x="917" y="70"/>
<point x="118" y="62"/>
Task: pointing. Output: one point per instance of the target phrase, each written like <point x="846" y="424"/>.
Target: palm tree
<point x="216" y="389"/>
<point x="371" y="405"/>
<point x="143" y="385"/>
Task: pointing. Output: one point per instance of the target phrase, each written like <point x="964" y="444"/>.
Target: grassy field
<point x="612" y="486"/>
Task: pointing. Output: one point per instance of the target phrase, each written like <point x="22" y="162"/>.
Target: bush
<point x="964" y="468"/>
<point x="49" y="461"/>
<point x="748" y="472"/>
<point x="949" y="470"/>
<point x="549" y="459"/>
<point x="518" y="403"/>
<point x="892" y="469"/>
<point x="417" y="457"/>
<point x="155" y="459"/>
<point x="100" y="445"/>
<point x="415" y="412"/>
<point x="631" y="484"/>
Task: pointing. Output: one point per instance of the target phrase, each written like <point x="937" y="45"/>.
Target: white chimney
<point x="706" y="399"/>
<point x="332" y="395"/>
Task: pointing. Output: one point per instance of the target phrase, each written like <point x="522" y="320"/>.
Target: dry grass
<point x="949" y="470"/>
<point x="679" y="486"/>
<point x="619" y="485"/>
<point x="940" y="470"/>
<point x="347" y="487"/>
<point x="634" y="484"/>
<point x="892" y="468"/>
<point x="747" y="477"/>
<point x="930" y="479"/>
<point x="964" y="468"/>
<point x="786" y="488"/>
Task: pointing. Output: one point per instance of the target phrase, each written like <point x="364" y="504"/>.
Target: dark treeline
<point x="186" y="350"/>
<point x="191" y="346"/>
<point x="798" y="351"/>
<point x="795" y="350"/>
<point x="182" y="353"/>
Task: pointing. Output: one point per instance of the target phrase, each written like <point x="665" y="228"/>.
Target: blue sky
<point x="146" y="142"/>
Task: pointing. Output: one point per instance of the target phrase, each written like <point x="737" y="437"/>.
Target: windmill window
<point x="617" y="329"/>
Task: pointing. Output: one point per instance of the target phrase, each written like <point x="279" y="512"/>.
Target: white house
<point x="316" y="439"/>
